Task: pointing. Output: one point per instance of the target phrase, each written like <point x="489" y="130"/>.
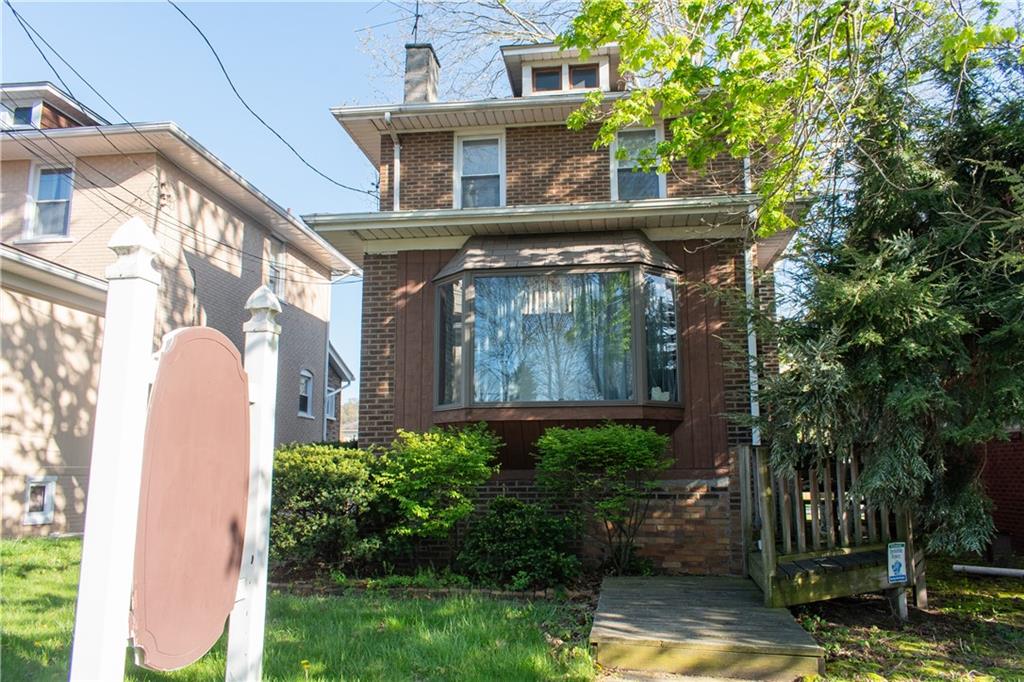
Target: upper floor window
<point x="479" y="171"/>
<point x="305" y="393"/>
<point x="629" y="182"/>
<point x="547" y="79"/>
<point x="275" y="268"/>
<point x="583" y="76"/>
<point x="331" y="405"/>
<point x="50" y="208"/>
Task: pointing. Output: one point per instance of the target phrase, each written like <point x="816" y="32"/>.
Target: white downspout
<point x="748" y="277"/>
<point x="397" y="164"/>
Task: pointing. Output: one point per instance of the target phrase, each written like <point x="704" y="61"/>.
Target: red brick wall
<point x="544" y="165"/>
<point x="1004" y="483"/>
<point x="377" y="363"/>
<point x="554" y="165"/>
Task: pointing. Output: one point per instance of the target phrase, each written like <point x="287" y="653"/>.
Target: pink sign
<point x="192" y="508"/>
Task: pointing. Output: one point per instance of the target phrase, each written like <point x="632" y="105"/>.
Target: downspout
<point x="396" y="164"/>
<point x="751" y="300"/>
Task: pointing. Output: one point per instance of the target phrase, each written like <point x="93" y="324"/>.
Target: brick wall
<point x="426" y="172"/>
<point x="554" y="165"/>
<point x="377" y="361"/>
<point x="1004" y="483"/>
<point x="544" y="165"/>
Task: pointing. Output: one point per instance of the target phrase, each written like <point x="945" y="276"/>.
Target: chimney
<point x="421" y="72"/>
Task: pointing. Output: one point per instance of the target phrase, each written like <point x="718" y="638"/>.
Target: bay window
<point x="560" y="336"/>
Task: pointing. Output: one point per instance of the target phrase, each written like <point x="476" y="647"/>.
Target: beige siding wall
<point x="49" y="364"/>
<point x="213" y="256"/>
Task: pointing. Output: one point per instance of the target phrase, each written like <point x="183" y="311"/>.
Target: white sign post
<point x="246" y="625"/>
<point x="108" y="550"/>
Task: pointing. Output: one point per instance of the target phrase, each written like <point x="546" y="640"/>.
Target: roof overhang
<point x="45" y="279"/>
<point x="366" y="124"/>
<point x="355" y="234"/>
<point x="186" y="153"/>
<point x="338" y="365"/>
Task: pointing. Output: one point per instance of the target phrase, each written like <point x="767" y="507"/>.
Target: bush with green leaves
<point x="520" y="546"/>
<point x="425" y="482"/>
<point x="606" y="474"/>
<point x="320" y="492"/>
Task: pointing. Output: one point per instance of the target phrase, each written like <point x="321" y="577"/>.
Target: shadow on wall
<point x="50" y="362"/>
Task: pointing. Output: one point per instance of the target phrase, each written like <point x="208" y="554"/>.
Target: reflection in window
<point x="632" y="183"/>
<point x="481" y="173"/>
<point x="52" y="201"/>
<point x="660" y="327"/>
<point x="449" y="343"/>
<point x="583" y="76"/>
<point x="559" y="337"/>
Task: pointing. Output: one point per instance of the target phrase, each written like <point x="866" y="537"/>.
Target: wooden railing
<point x="794" y="518"/>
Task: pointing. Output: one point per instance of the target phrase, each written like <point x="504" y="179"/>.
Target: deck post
<point x="767" y="510"/>
<point x="898" y="601"/>
<point x="746" y="509"/>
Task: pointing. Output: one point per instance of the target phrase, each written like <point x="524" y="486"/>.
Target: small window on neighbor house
<point x="39" y="494"/>
<point x="547" y="79"/>
<point x="631" y="182"/>
<point x="480" y="172"/>
<point x="22" y="116"/>
<point x="331" y="405"/>
<point x="275" y="268"/>
<point x="305" y="393"/>
<point x="52" y="198"/>
<point x="583" y="76"/>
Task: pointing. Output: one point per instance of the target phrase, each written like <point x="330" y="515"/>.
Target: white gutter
<point x="397" y="165"/>
<point x="751" y="300"/>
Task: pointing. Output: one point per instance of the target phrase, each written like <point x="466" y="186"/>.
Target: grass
<point x="352" y="637"/>
<point x="972" y="630"/>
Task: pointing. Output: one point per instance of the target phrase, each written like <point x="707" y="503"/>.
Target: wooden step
<point x="699" y="626"/>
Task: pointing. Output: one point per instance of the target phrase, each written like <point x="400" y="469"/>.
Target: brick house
<point x="69" y="179"/>
<point x="518" y="275"/>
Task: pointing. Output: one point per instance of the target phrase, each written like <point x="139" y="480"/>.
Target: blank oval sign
<point x="195" y="486"/>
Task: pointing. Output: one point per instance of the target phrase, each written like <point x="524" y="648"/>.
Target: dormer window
<point x="583" y="76"/>
<point x="547" y="79"/>
<point x="22" y="116"/>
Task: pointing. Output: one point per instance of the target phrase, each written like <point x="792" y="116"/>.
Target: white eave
<point x="169" y="140"/>
<point x="366" y="124"/>
<point x="684" y="218"/>
<point x="45" y="279"/>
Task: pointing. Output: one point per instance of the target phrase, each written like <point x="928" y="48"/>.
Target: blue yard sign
<point x="897" y="562"/>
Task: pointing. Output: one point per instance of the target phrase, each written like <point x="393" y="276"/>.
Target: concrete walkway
<point x="700" y="626"/>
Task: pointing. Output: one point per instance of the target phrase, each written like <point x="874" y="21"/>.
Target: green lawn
<point x="366" y="637"/>
<point x="972" y="630"/>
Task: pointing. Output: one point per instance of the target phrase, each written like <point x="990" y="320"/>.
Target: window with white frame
<point x="50" y="208"/>
<point x="331" y="405"/>
<point x="305" y="393"/>
<point x="629" y="182"/>
<point x="275" y="268"/>
<point x="39" y="494"/>
<point x="479" y="171"/>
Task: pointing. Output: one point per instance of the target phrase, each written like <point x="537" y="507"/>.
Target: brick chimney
<point x="421" y="72"/>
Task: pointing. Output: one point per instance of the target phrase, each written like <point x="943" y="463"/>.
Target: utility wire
<point x="175" y="227"/>
<point x="259" y="118"/>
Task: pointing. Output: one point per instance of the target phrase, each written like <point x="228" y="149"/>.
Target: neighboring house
<point x="517" y="275"/>
<point x="68" y="180"/>
<point x="339" y="377"/>
<point x="1003" y="475"/>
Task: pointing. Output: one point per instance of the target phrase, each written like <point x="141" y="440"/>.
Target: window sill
<point x="306" y="416"/>
<point x="42" y="240"/>
<point x="596" y="412"/>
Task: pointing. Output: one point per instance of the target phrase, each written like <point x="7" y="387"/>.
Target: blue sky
<point x="292" y="62"/>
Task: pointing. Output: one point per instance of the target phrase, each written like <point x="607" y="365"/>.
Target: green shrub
<point x="605" y="473"/>
<point x="319" y="493"/>
<point x="519" y="545"/>
<point x="425" y="481"/>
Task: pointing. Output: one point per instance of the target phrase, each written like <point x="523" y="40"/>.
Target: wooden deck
<point x="708" y="626"/>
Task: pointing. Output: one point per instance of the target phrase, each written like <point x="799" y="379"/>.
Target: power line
<point x="176" y="226"/>
<point x="259" y="118"/>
